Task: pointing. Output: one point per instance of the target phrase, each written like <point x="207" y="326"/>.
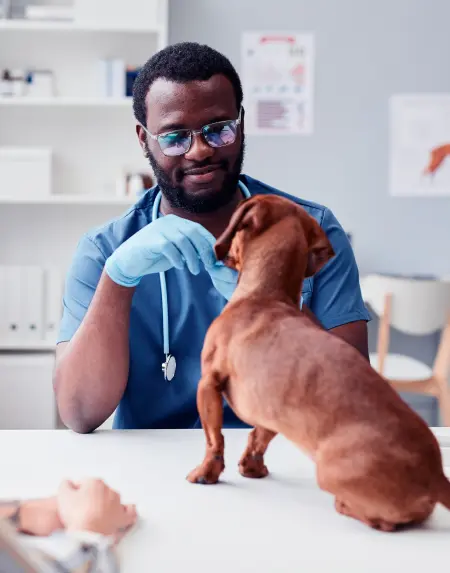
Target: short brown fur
<point x="283" y="374"/>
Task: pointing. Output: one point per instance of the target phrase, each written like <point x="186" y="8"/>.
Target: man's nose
<point x="199" y="150"/>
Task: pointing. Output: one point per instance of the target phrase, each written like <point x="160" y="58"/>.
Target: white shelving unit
<point x="27" y="346"/>
<point x="65" y="199"/>
<point x="92" y="137"/>
<point x="65" y="101"/>
<point x="42" y="26"/>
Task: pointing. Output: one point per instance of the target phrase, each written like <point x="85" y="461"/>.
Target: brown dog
<point x="281" y="373"/>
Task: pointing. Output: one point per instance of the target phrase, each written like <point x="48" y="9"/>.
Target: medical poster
<point x="277" y="76"/>
<point x="420" y="145"/>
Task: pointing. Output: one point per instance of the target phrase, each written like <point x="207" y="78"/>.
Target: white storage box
<point x="27" y="399"/>
<point x="112" y="14"/>
<point x="25" y="171"/>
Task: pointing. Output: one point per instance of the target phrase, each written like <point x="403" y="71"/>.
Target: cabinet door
<point x="26" y="393"/>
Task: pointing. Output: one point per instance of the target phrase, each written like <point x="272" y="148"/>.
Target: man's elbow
<point x="70" y="410"/>
<point x="79" y="426"/>
<point x="72" y="418"/>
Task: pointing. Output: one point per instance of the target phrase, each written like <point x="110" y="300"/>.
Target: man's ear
<point x="320" y="250"/>
<point x="246" y="216"/>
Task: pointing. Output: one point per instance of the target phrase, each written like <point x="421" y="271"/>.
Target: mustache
<point x="182" y="172"/>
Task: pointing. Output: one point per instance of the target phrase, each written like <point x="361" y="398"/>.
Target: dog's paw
<point x="208" y="473"/>
<point x="252" y="466"/>
<point x="383" y="525"/>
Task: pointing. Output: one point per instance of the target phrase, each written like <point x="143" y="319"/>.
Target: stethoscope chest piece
<point x="169" y="367"/>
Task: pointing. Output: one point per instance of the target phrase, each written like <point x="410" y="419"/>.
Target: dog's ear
<point x="320" y="250"/>
<point x="247" y="216"/>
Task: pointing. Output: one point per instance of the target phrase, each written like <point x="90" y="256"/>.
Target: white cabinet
<point x="91" y="137"/>
<point x="27" y="399"/>
<point x="90" y="134"/>
<point x="86" y="123"/>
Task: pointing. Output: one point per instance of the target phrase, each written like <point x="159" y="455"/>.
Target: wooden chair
<point x="415" y="307"/>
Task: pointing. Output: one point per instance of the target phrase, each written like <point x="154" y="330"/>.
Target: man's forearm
<point x="91" y="371"/>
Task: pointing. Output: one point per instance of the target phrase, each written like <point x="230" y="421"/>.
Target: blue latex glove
<point x="168" y="242"/>
<point x="223" y="278"/>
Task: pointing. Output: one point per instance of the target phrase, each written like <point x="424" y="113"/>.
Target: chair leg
<point x="443" y="396"/>
<point x="441" y="370"/>
<point x="441" y="367"/>
<point x="383" y="333"/>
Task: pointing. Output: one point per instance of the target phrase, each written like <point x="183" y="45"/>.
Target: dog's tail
<point x="443" y="495"/>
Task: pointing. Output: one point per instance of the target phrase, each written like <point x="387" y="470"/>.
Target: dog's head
<point x="256" y="215"/>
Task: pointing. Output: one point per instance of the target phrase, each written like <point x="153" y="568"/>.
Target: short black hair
<point x="182" y="62"/>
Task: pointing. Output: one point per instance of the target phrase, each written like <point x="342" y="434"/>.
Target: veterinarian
<point x="143" y="289"/>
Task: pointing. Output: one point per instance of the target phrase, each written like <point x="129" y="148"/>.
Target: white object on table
<point x="279" y="524"/>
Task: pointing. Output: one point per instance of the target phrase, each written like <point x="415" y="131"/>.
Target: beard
<point x="179" y="197"/>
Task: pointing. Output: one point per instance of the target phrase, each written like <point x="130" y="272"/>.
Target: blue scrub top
<point x="149" y="400"/>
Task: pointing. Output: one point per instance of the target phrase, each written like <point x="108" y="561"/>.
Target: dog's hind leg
<point x="210" y="407"/>
<point x="383" y="525"/>
<point x="251" y="464"/>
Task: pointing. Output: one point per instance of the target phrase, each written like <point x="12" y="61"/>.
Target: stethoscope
<point x="169" y="365"/>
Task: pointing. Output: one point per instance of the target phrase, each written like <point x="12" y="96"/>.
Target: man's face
<point x="205" y="178"/>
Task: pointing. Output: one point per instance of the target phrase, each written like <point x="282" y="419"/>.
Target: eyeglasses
<point x="217" y="134"/>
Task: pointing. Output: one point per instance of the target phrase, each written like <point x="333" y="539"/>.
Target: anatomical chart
<point x="277" y="74"/>
<point x="420" y="145"/>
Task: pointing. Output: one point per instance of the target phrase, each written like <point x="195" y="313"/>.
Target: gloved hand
<point x="223" y="278"/>
<point x="168" y="242"/>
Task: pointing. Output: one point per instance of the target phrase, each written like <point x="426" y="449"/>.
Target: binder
<point x="13" y="301"/>
<point x="53" y="293"/>
<point x="3" y="323"/>
<point x="32" y="303"/>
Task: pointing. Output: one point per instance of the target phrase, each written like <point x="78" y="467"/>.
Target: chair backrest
<point x="418" y="307"/>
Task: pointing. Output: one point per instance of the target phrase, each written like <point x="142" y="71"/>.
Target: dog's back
<point x="287" y="375"/>
<point x="291" y="376"/>
<point x="282" y="373"/>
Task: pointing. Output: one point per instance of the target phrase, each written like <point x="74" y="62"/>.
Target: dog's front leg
<point x="210" y="407"/>
<point x="251" y="464"/>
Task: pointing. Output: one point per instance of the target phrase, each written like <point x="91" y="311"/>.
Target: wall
<point x="366" y="51"/>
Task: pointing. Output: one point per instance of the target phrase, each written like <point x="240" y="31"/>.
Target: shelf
<point x="27" y="345"/>
<point x="68" y="200"/>
<point x="55" y="26"/>
<point x="66" y="101"/>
